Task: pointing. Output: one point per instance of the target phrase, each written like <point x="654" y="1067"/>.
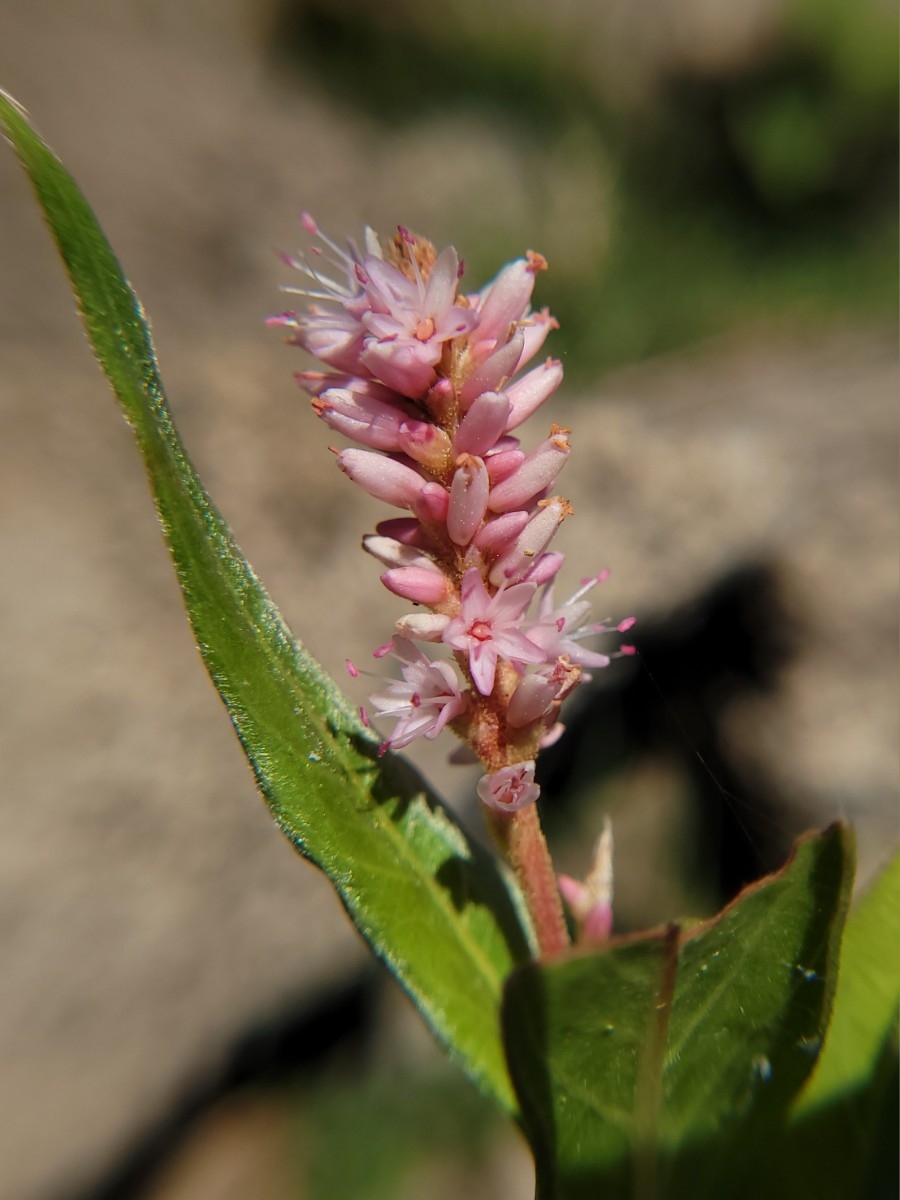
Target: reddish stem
<point x="527" y="848"/>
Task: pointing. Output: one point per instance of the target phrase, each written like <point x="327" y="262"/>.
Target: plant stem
<point x="527" y="848"/>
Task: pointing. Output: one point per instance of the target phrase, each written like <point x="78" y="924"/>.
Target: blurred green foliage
<point x="372" y="1137"/>
<point x="764" y="191"/>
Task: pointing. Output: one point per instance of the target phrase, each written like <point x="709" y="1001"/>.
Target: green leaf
<point x="584" y="1038"/>
<point x="843" y="1138"/>
<point x="433" y="906"/>
<point x="868" y="994"/>
<point x="664" y="1067"/>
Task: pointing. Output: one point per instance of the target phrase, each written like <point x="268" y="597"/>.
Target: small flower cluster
<point x="427" y="380"/>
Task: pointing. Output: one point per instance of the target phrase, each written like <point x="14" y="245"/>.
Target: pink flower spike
<point x="509" y="789"/>
<point x="528" y="394"/>
<point x="381" y="477"/>
<point x="418" y="584"/>
<point x="483" y="425"/>
<point x="468" y="499"/>
<point x="537" y="472"/>
<point x="489" y="627"/>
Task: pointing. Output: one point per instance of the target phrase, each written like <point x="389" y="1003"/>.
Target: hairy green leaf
<point x="434" y="907"/>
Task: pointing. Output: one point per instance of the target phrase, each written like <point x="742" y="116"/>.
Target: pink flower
<point x="561" y="630"/>
<point x="490" y="627"/>
<point x="409" y="318"/>
<point x="428" y="696"/>
<point x="331" y="333"/>
<point x="510" y="788"/>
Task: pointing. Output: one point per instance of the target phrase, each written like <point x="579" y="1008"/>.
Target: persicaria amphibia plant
<point x="427" y="378"/>
<point x="603" y="1058"/>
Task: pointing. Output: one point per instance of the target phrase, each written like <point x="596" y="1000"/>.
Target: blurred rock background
<point x="185" y="1013"/>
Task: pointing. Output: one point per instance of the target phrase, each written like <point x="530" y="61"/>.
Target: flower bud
<point x="421" y="585"/>
<point x="505" y="301"/>
<point x="468" y="499"/>
<point x="537" y="472"/>
<point x="425" y="443"/>
<point x="531" y="700"/>
<point x="503" y="464"/>
<point x="424" y="627"/>
<point x="496" y="536"/>
<point x="509" y="789"/>
<point x="393" y="553"/>
<point x="483" y="425"/>
<point x="529" y="393"/>
<point x="546" y="568"/>
<point x="384" y="478"/>
<point x="432" y="503"/>
<point x="495" y="370"/>
<point x="522" y="555"/>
